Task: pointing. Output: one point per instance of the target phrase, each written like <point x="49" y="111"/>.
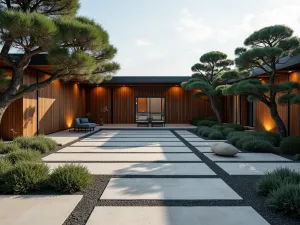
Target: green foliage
<point x="8" y="148"/>
<point x="46" y="7"/>
<point x="207" y="77"/>
<point x="216" y="135"/>
<point x="246" y="87"/>
<point x="275" y="179"/>
<point x="254" y="145"/>
<point x="227" y="131"/>
<point x="242" y="140"/>
<point x="5" y="166"/>
<point x="207" y="123"/>
<point x="205" y="131"/>
<point x="195" y="122"/>
<point x="40" y="143"/>
<point x="218" y="127"/>
<point x="4" y="81"/>
<point x="286" y="200"/>
<point x="237" y="127"/>
<point x="70" y="178"/>
<point x="290" y="145"/>
<point x="26" y="177"/>
<point x="297" y="157"/>
<point x="23" y="155"/>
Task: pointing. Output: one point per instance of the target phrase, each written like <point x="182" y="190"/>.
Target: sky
<point x="167" y="37"/>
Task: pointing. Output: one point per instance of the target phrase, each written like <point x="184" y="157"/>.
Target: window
<point x="150" y="108"/>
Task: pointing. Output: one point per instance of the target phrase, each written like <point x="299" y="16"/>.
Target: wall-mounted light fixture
<point x="290" y="71"/>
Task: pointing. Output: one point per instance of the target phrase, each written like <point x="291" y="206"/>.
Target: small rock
<point x="224" y="149"/>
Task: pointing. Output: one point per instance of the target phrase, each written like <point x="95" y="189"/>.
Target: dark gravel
<point x="245" y="186"/>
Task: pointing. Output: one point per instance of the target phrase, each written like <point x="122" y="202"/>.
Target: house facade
<point x="54" y="108"/>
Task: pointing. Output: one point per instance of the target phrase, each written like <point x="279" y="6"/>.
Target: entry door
<point x="150" y="108"/>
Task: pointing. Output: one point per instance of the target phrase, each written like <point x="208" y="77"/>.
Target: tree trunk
<point x="214" y="108"/>
<point x="3" y="107"/>
<point x="279" y="123"/>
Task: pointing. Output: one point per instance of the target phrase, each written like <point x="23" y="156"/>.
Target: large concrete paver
<point x="176" y="215"/>
<point x="247" y="157"/>
<point x="169" y="189"/>
<point x="139" y="139"/>
<point x="128" y="144"/>
<point x="153" y="169"/>
<point x="124" y="149"/>
<point x="206" y="143"/>
<point x="255" y="168"/>
<point x="36" y="209"/>
<point x="142" y="135"/>
<point x="118" y="157"/>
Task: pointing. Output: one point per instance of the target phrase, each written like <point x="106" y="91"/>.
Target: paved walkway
<point x="192" y="186"/>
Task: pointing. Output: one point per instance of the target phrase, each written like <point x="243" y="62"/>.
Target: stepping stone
<point x="136" y="132"/>
<point x="247" y="157"/>
<point x="204" y="149"/>
<point x="255" y="168"/>
<point x="195" y="139"/>
<point x="129" y="144"/>
<point x="205" y="143"/>
<point x="169" y="189"/>
<point x="133" y="135"/>
<point x="119" y="157"/>
<point x="153" y="169"/>
<point x="36" y="209"/>
<point x="124" y="149"/>
<point x="188" y="136"/>
<point x="176" y="215"/>
<point x="140" y="139"/>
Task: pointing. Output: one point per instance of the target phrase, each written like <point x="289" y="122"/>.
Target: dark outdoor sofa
<point x="83" y="124"/>
<point x="150" y="121"/>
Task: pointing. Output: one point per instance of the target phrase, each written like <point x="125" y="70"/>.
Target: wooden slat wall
<point x="244" y="110"/>
<point x="295" y="110"/>
<point x="12" y="118"/>
<point x="59" y="104"/>
<point x="96" y="99"/>
<point x="180" y="107"/>
<point x="228" y="109"/>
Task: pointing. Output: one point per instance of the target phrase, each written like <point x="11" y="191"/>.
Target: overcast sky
<point x="166" y="37"/>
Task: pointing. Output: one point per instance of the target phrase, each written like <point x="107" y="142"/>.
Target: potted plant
<point x="101" y="114"/>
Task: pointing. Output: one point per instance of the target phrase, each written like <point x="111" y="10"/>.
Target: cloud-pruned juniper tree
<point x="264" y="50"/>
<point x="77" y="47"/>
<point x="209" y="77"/>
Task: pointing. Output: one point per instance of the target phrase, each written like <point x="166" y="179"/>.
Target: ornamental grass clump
<point x="275" y="179"/>
<point x="5" y="166"/>
<point x="25" y="177"/>
<point x="8" y="148"/>
<point x="70" y="178"/>
<point x="286" y="199"/>
<point x="227" y="131"/>
<point x="23" y="155"/>
<point x="40" y="143"/>
<point x="253" y="145"/>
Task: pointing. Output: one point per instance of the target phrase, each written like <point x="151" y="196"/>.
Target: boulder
<point x="224" y="149"/>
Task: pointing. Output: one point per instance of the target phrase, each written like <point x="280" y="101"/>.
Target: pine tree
<point x="77" y="47"/>
<point x="209" y="78"/>
<point x="266" y="48"/>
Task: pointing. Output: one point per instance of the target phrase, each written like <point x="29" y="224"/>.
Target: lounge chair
<point x="83" y="124"/>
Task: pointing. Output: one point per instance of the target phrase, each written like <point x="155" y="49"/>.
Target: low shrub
<point x="290" y="145"/>
<point x="258" y="146"/>
<point x="204" y="131"/>
<point x="40" y="143"/>
<point x="8" y="148"/>
<point x="216" y="135"/>
<point x="243" y="140"/>
<point x="233" y="137"/>
<point x="218" y="127"/>
<point x="5" y="166"/>
<point x="26" y="177"/>
<point x="286" y="199"/>
<point x="207" y="123"/>
<point x="271" y="137"/>
<point x="275" y="179"/>
<point x="195" y="122"/>
<point x="227" y="131"/>
<point x="23" y="155"/>
<point x="70" y="178"/>
<point x="237" y="127"/>
<point x="297" y="157"/>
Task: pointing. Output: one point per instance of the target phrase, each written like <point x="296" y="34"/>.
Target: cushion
<point x="224" y="149"/>
<point x="84" y="120"/>
<point x="77" y="121"/>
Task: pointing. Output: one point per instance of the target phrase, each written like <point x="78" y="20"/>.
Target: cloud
<point x="192" y="29"/>
<point x="285" y="15"/>
<point x="142" y="43"/>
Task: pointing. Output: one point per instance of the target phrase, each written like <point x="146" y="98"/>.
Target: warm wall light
<point x="268" y="125"/>
<point x="290" y="71"/>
